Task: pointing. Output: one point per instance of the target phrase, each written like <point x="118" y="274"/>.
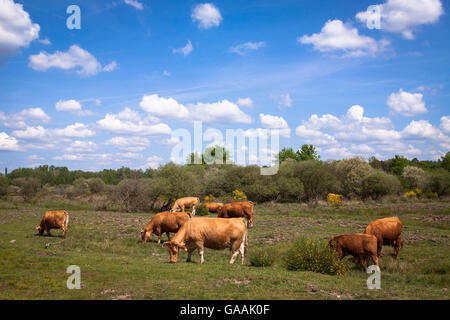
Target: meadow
<point x="116" y="265"/>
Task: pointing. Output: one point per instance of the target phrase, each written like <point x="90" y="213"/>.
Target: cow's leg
<point x="202" y="259"/>
<point x="159" y="237"/>
<point x="379" y="246"/>
<point x="48" y="231"/>
<point x="168" y="235"/>
<point x="189" y="255"/>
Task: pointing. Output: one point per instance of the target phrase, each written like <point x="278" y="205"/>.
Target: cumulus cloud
<point x="335" y="36"/>
<point x="247" y="47"/>
<point x="445" y="124"/>
<point x="8" y="143"/>
<point x="245" y="102"/>
<point x="81" y="146"/>
<point x="153" y="162"/>
<point x="72" y="106"/>
<point x="163" y="107"/>
<point x="132" y="144"/>
<point x="130" y="122"/>
<point x="76" y="58"/>
<point x="403" y="17"/>
<point x="221" y="111"/>
<point x="20" y="119"/>
<point x="275" y="122"/>
<point x="136" y="4"/>
<point x="423" y="130"/>
<point x="77" y="130"/>
<point x="406" y="103"/>
<point x="207" y="16"/>
<point x="110" y="67"/>
<point x="16" y="28"/>
<point x="188" y="48"/>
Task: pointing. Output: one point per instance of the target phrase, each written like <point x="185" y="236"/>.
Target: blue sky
<point x="111" y="93"/>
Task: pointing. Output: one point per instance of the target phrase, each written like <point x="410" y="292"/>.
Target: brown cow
<point x="213" y="207"/>
<point x="164" y="222"/>
<point x="388" y="232"/>
<point x="360" y="246"/>
<point x="186" y="202"/>
<point x="238" y="209"/>
<point x="53" y="220"/>
<point x="213" y="233"/>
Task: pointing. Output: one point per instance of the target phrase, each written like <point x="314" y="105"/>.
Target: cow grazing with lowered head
<point x="213" y="233"/>
<point x="388" y="231"/>
<point x="186" y="202"/>
<point x="238" y="209"/>
<point x="54" y="220"/>
<point x="360" y="246"/>
<point x="213" y="207"/>
<point x="164" y="222"/>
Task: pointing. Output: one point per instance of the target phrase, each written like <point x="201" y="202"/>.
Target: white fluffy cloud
<point x="153" y="162"/>
<point x="8" y="143"/>
<point x="207" y="16"/>
<point x="136" y="4"/>
<point x="221" y="111"/>
<point x="132" y="144"/>
<point x="406" y="103"/>
<point x="75" y="58"/>
<point x="403" y="16"/>
<point x="275" y="122"/>
<point x="244" y="48"/>
<point x="130" y="122"/>
<point x="336" y="36"/>
<point x="422" y="129"/>
<point x="16" y="28"/>
<point x="188" y="48"/>
<point x="245" y="102"/>
<point x="445" y="124"/>
<point x="19" y="120"/>
<point x="81" y="146"/>
<point x="285" y="100"/>
<point x="163" y="107"/>
<point x="72" y="106"/>
<point x="77" y="130"/>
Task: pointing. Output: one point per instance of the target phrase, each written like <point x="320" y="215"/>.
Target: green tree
<point x="398" y="163"/>
<point x="445" y="161"/>
<point x="209" y="156"/>
<point x="287" y="153"/>
<point x="307" y="152"/>
<point x="3" y="185"/>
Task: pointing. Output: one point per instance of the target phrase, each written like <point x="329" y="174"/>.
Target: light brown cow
<point x="186" y="202"/>
<point x="360" y="246"/>
<point x="388" y="232"/>
<point x="54" y="220"/>
<point x="164" y="222"/>
<point x="238" y="209"/>
<point x="213" y="233"/>
<point x="213" y="207"/>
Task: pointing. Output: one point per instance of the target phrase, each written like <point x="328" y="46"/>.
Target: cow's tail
<point x="245" y="242"/>
<point x="66" y="222"/>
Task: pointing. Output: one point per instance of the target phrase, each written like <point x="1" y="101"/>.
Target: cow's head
<point x="39" y="229"/>
<point x="174" y="249"/>
<point x="145" y="235"/>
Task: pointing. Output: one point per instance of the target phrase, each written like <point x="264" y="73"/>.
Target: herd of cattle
<point x="229" y="230"/>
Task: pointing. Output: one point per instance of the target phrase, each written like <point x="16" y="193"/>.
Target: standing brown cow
<point x="213" y="207"/>
<point x="238" y="209"/>
<point x="388" y="231"/>
<point x="186" y="202"/>
<point x="164" y="222"/>
<point x="54" y="220"/>
<point x="360" y="246"/>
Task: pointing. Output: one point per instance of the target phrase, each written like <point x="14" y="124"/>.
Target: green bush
<point x="261" y="257"/>
<point x="379" y="184"/>
<point x="439" y="182"/>
<point x="3" y="185"/>
<point x="308" y="255"/>
<point x="351" y="173"/>
<point x="201" y="210"/>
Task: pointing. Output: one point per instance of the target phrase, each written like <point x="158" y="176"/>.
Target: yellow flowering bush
<point x="418" y="192"/>
<point x="334" y="199"/>
<point x="410" y="195"/>
<point x="239" y="195"/>
<point x="209" y="198"/>
<point x="307" y="255"/>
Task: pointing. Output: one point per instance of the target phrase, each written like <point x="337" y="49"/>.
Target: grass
<point x="115" y="265"/>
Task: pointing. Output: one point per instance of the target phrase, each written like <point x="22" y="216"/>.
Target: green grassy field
<point x="115" y="265"/>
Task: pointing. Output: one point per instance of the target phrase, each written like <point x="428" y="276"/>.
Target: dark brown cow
<point x="54" y="220"/>
<point x="388" y="231"/>
<point x="213" y="233"/>
<point x="213" y="207"/>
<point x="238" y="209"/>
<point x="360" y="246"/>
<point x="164" y="222"/>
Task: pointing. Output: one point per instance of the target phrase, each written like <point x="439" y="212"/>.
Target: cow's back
<point x="357" y="243"/>
<point x="54" y="219"/>
<point x="386" y="229"/>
